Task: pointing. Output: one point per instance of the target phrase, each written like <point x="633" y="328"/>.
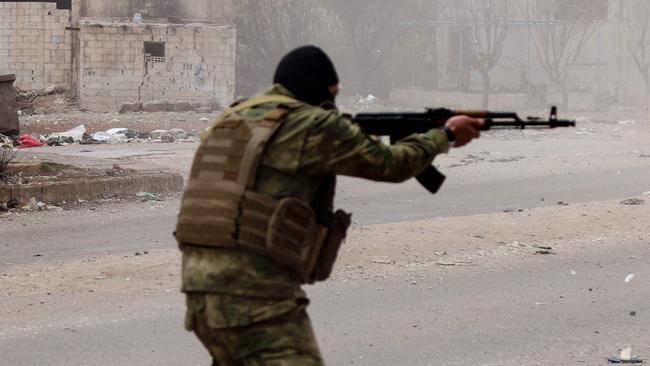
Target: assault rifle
<point x="400" y="125"/>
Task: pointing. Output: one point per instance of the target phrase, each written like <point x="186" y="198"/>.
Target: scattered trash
<point x="108" y="195"/>
<point x="76" y="133"/>
<point x="629" y="122"/>
<point x="28" y="141"/>
<point x="561" y="203"/>
<point x="6" y="142"/>
<point x="625" y="357"/>
<point x="543" y="250"/>
<point x="147" y="196"/>
<point x="629" y="278"/>
<point x="13" y="203"/>
<point x="384" y="261"/>
<point x="456" y="264"/>
<point x="369" y="99"/>
<point x="646" y="193"/>
<point x="204" y="120"/>
<point x="101" y="136"/>
<point x="633" y="202"/>
<point x="632" y="313"/>
<point x="573" y="273"/>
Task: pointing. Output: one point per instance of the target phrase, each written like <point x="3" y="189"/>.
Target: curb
<point x="93" y="189"/>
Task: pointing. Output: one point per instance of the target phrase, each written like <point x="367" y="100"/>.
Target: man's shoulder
<point x="317" y="117"/>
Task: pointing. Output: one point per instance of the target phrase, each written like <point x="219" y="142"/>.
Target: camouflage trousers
<point x="253" y="332"/>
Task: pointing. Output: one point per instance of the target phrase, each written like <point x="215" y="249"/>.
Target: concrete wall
<point x="34" y="44"/>
<point x="8" y="115"/>
<point x="199" y="64"/>
<point x="205" y="11"/>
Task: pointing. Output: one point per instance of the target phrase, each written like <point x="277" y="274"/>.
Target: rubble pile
<point x="29" y="102"/>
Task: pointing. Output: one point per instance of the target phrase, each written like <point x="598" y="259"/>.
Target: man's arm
<point x="336" y="146"/>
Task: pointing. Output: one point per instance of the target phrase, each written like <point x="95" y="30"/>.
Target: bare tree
<point x="636" y="26"/>
<point x="367" y="25"/>
<point x="486" y="23"/>
<point x="560" y="30"/>
<point x="266" y="31"/>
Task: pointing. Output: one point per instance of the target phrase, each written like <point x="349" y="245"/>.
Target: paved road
<point x="525" y="311"/>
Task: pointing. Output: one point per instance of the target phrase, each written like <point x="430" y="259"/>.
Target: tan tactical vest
<point x="219" y="208"/>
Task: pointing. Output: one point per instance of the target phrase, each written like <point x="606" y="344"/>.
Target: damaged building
<point x="106" y="53"/>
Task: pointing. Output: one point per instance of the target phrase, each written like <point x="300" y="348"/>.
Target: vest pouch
<point x="294" y="237"/>
<point x="330" y="248"/>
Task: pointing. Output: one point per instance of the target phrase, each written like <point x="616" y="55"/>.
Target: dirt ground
<point x="38" y="291"/>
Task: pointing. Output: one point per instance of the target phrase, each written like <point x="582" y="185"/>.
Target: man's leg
<point x="254" y="332"/>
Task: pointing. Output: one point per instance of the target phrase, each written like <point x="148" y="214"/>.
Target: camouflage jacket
<point x="302" y="160"/>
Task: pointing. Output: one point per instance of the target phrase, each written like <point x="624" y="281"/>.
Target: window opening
<point x="154" y="52"/>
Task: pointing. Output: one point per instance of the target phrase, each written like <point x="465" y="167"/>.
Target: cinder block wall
<point x="199" y="64"/>
<point x="35" y="45"/>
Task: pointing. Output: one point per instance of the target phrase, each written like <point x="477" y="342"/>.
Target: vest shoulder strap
<point x="255" y="101"/>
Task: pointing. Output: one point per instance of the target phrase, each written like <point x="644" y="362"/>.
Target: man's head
<point x="309" y="74"/>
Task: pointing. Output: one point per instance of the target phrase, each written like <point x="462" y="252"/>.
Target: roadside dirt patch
<point x="54" y="183"/>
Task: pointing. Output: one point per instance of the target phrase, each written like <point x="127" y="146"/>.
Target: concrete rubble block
<point x="9" y="124"/>
<point x="130" y="108"/>
<point x="154" y="106"/>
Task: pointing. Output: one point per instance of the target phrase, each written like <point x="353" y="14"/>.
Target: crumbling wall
<point x="8" y="115"/>
<point x="34" y="44"/>
<point x="204" y="11"/>
<point x="198" y="64"/>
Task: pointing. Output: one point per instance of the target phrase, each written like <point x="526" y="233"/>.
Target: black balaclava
<point x="308" y="73"/>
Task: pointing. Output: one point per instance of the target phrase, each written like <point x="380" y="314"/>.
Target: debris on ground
<point x="541" y="250"/>
<point x="111" y="136"/>
<point x="629" y="278"/>
<point x="28" y="141"/>
<point x="633" y="202"/>
<point x="147" y="196"/>
<point x="75" y="134"/>
<point x="6" y="142"/>
<point x="625" y="356"/>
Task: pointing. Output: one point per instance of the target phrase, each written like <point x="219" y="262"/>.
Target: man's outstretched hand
<point x="465" y="129"/>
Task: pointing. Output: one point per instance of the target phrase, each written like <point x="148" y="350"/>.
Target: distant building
<point x="603" y="74"/>
<point x="106" y="53"/>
